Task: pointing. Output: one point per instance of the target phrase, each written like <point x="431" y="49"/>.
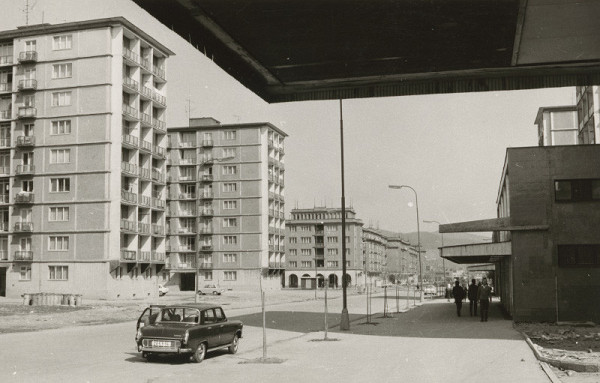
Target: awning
<point x="488" y="267"/>
<point x="293" y="50"/>
<point x="477" y="253"/>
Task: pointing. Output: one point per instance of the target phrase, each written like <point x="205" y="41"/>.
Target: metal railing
<point x="23" y="255"/>
<point x="128" y="54"/>
<point x="28" y="56"/>
<point x="158" y="229"/>
<point x="128" y="225"/>
<point x="144" y="173"/>
<point x="131" y="83"/>
<point x="25" y="141"/>
<point x="127" y="167"/>
<point x="25" y="197"/>
<point x="146" y="145"/>
<point x="145" y="256"/>
<point x="143" y="228"/>
<point x="159" y="125"/>
<point x="157" y="256"/>
<point x="26" y="112"/>
<point x="130" y="111"/>
<point x="23" y="227"/>
<point x="144" y="200"/>
<point x="158" y="203"/>
<point x="146" y="119"/>
<point x="131" y="140"/>
<point x="158" y="71"/>
<point x="25" y="169"/>
<point x="127" y="196"/>
<point x="128" y="255"/>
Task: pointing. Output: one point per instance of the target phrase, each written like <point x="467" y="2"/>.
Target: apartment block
<point x="82" y="159"/>
<point x="226" y="223"/>
<point x="588" y="114"/>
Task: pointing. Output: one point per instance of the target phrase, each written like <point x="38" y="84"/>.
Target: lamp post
<point x="197" y="278"/>
<point x="418" y="236"/>
<point x="443" y="260"/>
<point x="345" y="319"/>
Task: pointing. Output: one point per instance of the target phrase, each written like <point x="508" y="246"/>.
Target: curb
<point x="563" y="364"/>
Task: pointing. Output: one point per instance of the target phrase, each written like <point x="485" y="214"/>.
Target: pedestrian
<point x="472" y="295"/>
<point x="448" y="291"/>
<point x="484" y="294"/>
<point x="459" y="294"/>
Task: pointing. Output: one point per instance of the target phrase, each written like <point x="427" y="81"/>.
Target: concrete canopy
<point x="477" y="253"/>
<point x="294" y="50"/>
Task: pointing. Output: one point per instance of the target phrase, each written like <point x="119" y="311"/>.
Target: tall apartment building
<point x="588" y="114"/>
<point x="82" y="159"/>
<point x="388" y="256"/>
<point x="315" y="248"/>
<point x="226" y="205"/>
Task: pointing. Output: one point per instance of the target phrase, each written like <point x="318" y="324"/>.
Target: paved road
<point x="427" y="344"/>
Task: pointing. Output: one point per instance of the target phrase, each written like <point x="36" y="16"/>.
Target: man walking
<point x="484" y="294"/>
<point x="472" y="295"/>
<point x="459" y="294"/>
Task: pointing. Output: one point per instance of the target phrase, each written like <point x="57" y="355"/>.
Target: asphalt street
<point x="426" y="344"/>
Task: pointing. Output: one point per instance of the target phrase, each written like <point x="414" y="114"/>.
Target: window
<point x="578" y="190"/>
<point x="305" y="228"/>
<point x="27" y="186"/>
<point x="62" y="70"/>
<point x="331" y="228"/>
<point x="228" y="152"/>
<point x="305" y="240"/>
<point x="229" y="135"/>
<point x="229" y="258"/>
<point x="332" y="251"/>
<point x="61" y="98"/>
<point x="305" y="251"/>
<point x="229" y="222"/>
<point x="61" y="127"/>
<point x="58" y="243"/>
<point x="306" y="263"/>
<point x="292" y="229"/>
<point x="62" y="42"/>
<point x="230" y="240"/>
<point x="60" y="185"/>
<point x="293" y="240"/>
<point x="230" y="187"/>
<point x="230" y="275"/>
<point x="293" y="264"/>
<point x="25" y="273"/>
<point x="60" y="156"/>
<point x="60" y="213"/>
<point x="579" y="256"/>
<point x="58" y="273"/>
<point x="332" y="239"/>
<point x="229" y="169"/>
<point x="119" y="272"/>
<point x="332" y="263"/>
<point x="293" y="252"/>
<point x="208" y="276"/>
<point x="229" y="205"/>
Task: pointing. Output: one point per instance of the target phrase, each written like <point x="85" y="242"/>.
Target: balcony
<point x="158" y="203"/>
<point x="158" y="229"/>
<point x="206" y="247"/>
<point x="146" y="146"/>
<point x="187" y="161"/>
<point x="205" y="230"/>
<point x="130" y="84"/>
<point x="159" y="125"/>
<point x="145" y="64"/>
<point x="205" y="265"/>
<point x="206" y="178"/>
<point x="146" y="119"/>
<point x="28" y="56"/>
<point x="206" y="212"/>
<point x="183" y="213"/>
<point x="130" y="113"/>
<point x="5" y="114"/>
<point x="23" y="255"/>
<point x="207" y="143"/>
<point x="6" y="60"/>
<point x="319" y="245"/>
<point x="130" y="56"/>
<point x="178" y="265"/>
<point x="128" y="255"/>
<point x="145" y="256"/>
<point x="157" y="176"/>
<point x="159" y="72"/>
<point x="27" y="84"/>
<point x="143" y="228"/>
<point x="157" y="256"/>
<point x="158" y="151"/>
<point x="24" y="170"/>
<point x="5" y="87"/>
<point x="129" y="140"/>
<point x="24" y="197"/>
<point x="270" y="144"/>
<point x="206" y="195"/>
<point x="187" y="178"/>
<point x="146" y="92"/>
<point x="129" y="168"/>
<point x="127" y="225"/>
<point x="159" y="99"/>
<point x="23" y="227"/>
<point x="186" y="196"/>
<point x="207" y="160"/>
<point x="4" y="198"/>
<point x="144" y="200"/>
<point x="276" y="265"/>
<point x="129" y="197"/>
<point x="145" y="173"/>
<point x="26" y="112"/>
<point x="27" y="141"/>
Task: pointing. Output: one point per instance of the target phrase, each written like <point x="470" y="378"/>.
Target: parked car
<point x="430" y="289"/>
<point x="162" y="290"/>
<point x="148" y="317"/>
<point x="210" y="289"/>
<point x="193" y="329"/>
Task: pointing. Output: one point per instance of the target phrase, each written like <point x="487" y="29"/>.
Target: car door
<point x="211" y="328"/>
<point x="226" y="331"/>
<point x="148" y="317"/>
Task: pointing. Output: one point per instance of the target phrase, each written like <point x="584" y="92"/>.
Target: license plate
<point x="161" y="343"/>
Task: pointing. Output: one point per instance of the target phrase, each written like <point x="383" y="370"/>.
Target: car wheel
<point x="234" y="344"/>
<point x="215" y="293"/>
<point x="200" y="353"/>
<point x="148" y="356"/>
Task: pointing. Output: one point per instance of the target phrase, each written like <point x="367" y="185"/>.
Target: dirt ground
<point x="564" y="337"/>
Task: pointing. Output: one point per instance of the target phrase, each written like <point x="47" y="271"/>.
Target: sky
<point x="449" y="148"/>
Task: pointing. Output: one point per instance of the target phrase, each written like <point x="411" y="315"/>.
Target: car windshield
<point x="180" y="314"/>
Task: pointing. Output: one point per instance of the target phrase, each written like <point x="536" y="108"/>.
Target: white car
<point x="162" y="290"/>
<point x="210" y="289"/>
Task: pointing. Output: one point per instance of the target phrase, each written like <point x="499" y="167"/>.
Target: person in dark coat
<point x="472" y="295"/>
<point x="484" y="294"/>
<point x="459" y="294"/>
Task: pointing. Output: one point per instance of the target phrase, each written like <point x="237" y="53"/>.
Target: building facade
<point x="82" y="153"/>
<point x="314" y="248"/>
<point x="557" y="125"/>
<point x="588" y="114"/>
<point x="226" y="223"/>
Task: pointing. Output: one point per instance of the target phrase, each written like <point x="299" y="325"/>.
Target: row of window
<point x="308" y="264"/>
<point x="578" y="190"/>
<point x="294" y="252"/>
<point x="579" y="256"/>
<point x="330" y="228"/>
<point x="309" y="239"/>
<point x="60" y="42"/>
<point x="55" y="273"/>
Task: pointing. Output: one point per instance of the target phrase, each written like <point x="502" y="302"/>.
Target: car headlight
<point x="138" y="335"/>
<point x="186" y="337"/>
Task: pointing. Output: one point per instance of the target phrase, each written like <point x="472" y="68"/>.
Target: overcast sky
<point x="450" y="148"/>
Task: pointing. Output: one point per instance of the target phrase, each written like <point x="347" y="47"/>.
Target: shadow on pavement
<point x="298" y="321"/>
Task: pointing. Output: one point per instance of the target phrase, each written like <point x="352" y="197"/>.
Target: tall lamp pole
<point x="418" y="236"/>
<point x="443" y="260"/>
<point x="345" y="320"/>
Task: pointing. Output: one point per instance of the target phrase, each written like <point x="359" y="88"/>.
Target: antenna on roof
<point x="27" y="10"/>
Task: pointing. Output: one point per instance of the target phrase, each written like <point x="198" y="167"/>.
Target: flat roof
<point x="295" y="50"/>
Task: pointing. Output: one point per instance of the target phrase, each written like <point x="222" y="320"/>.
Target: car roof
<point x="199" y="306"/>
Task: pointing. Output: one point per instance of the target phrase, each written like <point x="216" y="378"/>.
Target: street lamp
<point x="418" y="235"/>
<point x="197" y="279"/>
<point x="443" y="259"/>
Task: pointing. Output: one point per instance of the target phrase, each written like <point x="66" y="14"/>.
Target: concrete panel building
<point x="226" y="223"/>
<point x="82" y="159"/>
<point x="557" y="125"/>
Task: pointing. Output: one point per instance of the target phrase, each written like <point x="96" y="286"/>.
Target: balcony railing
<point x="205" y="265"/>
<point x="159" y="125"/>
<point x="23" y="227"/>
<point x="145" y="256"/>
<point x="129" y="55"/>
<point x="128" y="225"/>
<point x="145" y="63"/>
<point x="23" y="255"/>
<point x="206" y="195"/>
<point x="147" y="146"/>
<point x="178" y="265"/>
<point x="206" y="177"/>
<point x="28" y="56"/>
<point x="128" y="255"/>
<point x="25" y="141"/>
<point x="27" y="84"/>
<point x="25" y="169"/>
<point x="5" y="114"/>
<point x="162" y="100"/>
<point x="127" y="196"/>
<point x="158" y="229"/>
<point x="187" y="161"/>
<point x="157" y="176"/>
<point x="146" y="92"/>
<point x="276" y="265"/>
<point x="131" y="83"/>
<point x="158" y="203"/>
<point x="187" y="178"/>
<point x="4" y="171"/>
<point x="207" y="143"/>
<point x="144" y="173"/>
<point x="187" y="196"/>
<point x="143" y="228"/>
<point x="207" y="160"/>
<point x="129" y="168"/>
<point x="4" y="226"/>
<point x="146" y="119"/>
<point x="130" y="111"/>
<point x="26" y="112"/>
<point x="24" y="197"/>
<point x="159" y="151"/>
<point x="130" y="140"/>
<point x="158" y="71"/>
<point x="206" y="247"/>
<point x="144" y="200"/>
<point x="157" y="256"/>
<point x="205" y="230"/>
<point x="6" y="87"/>
<point x="206" y="212"/>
